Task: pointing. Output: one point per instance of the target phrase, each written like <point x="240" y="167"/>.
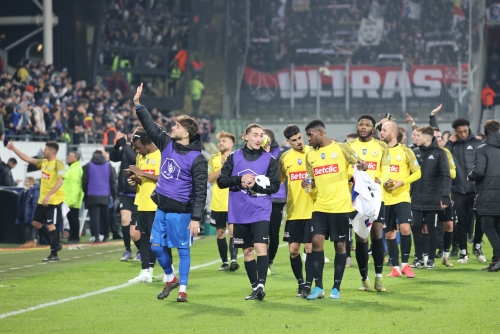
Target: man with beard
<point x="404" y="170"/>
<point x="375" y="153"/>
<point x="219" y="202"/>
<point x="328" y="166"/>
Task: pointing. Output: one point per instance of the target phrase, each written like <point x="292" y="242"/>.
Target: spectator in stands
<point x="99" y="185"/>
<point x="6" y="179"/>
<point x="109" y="136"/>
<point x="210" y="39"/>
<point x="22" y="73"/>
<point x="27" y="204"/>
<point x="73" y="195"/>
<point x="12" y="162"/>
<point x="487" y="96"/>
<point x="175" y="75"/>
<point x="196" y="88"/>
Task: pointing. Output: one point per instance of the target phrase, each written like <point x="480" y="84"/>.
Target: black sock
<point x="362" y="259"/>
<point x="296" y="263"/>
<point x="262" y="265"/>
<point x="251" y="268"/>
<point x="392" y="246"/>
<point x="44" y="233"/>
<point x="145" y="250"/>
<point x="348" y="245"/>
<point x="54" y="241"/>
<point x="233" y="252"/>
<point x="417" y="240"/>
<point x="425" y="244"/>
<point x="138" y="244"/>
<point x="405" y="247"/>
<point x="222" y="246"/>
<point x="309" y="270"/>
<point x="318" y="263"/>
<point x="126" y="237"/>
<point x="447" y="241"/>
<point x="339" y="264"/>
<point x="152" y="257"/>
<point x="378" y="255"/>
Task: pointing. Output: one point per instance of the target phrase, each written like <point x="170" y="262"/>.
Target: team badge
<point x="398" y="157"/>
<point x="364" y="151"/>
<point x="48" y="168"/>
<point x="147" y="161"/>
<point x="333" y="156"/>
<point x="323" y="155"/>
<point x="299" y="161"/>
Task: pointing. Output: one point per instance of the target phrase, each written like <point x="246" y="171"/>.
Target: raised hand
<point x="435" y="111"/>
<point x="138" y="95"/>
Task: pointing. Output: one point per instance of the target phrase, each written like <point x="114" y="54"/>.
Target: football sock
<point x="251" y="269"/>
<point x="318" y="263"/>
<point x="296" y="263"/>
<point x="339" y="264"/>
<point x="262" y="265"/>
<point x="126" y="237"/>
<point x="184" y="265"/>
<point x="362" y="259"/>
<point x="222" y="246"/>
<point x="405" y="248"/>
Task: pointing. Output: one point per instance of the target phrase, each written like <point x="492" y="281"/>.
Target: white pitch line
<point x="98" y="292"/>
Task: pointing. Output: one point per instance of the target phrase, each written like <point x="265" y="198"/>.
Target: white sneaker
<point x="144" y="277"/>
<point x="463" y="258"/>
<point x="165" y="276"/>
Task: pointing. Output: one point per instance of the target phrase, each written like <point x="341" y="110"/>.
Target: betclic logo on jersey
<point x="371" y="165"/>
<point x="148" y="171"/>
<point x="328" y="169"/>
<point x="394" y="169"/>
<point x="297" y="176"/>
<point x="45" y="176"/>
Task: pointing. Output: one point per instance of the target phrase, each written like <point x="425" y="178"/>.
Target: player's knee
<point x="340" y="247"/>
<point x="37" y="225"/>
<point x="183" y="253"/>
<point x="221" y="233"/>
<point x="294" y="250"/>
<point x="404" y="229"/>
<point x="448" y="226"/>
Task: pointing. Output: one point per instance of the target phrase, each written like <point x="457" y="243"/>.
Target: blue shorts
<point x="171" y="230"/>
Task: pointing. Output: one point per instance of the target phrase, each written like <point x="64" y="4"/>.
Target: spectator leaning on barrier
<point x="99" y="184"/>
<point x="27" y="205"/>
<point x="73" y="195"/>
<point x="6" y="179"/>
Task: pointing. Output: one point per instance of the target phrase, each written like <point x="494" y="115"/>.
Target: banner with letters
<point x="366" y="81"/>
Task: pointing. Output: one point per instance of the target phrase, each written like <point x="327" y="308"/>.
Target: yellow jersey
<point x="453" y="168"/>
<point x="375" y="153"/>
<point x="329" y="168"/>
<point x="292" y="166"/>
<point x="220" y="197"/>
<point x="149" y="164"/>
<point x="51" y="172"/>
<point x="402" y="163"/>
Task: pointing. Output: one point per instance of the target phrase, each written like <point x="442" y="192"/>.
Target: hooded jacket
<point x="463" y="152"/>
<point x="433" y="187"/>
<point x="199" y="169"/>
<point x="73" y="193"/>
<point x="280" y="196"/>
<point x="28" y="201"/>
<point x="6" y="179"/>
<point x="98" y="159"/>
<point x="123" y="152"/>
<point x="486" y="174"/>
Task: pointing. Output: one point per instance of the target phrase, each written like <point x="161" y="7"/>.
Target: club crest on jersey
<point x="333" y="156"/>
<point x="170" y="169"/>
<point x="323" y="155"/>
<point x="398" y="157"/>
<point x="364" y="151"/>
<point x="299" y="161"/>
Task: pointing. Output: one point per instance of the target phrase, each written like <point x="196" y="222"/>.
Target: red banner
<point x="374" y="81"/>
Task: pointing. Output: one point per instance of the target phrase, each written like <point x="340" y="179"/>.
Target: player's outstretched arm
<point x="21" y="155"/>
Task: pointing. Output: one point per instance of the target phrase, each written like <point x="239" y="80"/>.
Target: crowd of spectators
<point x="39" y="103"/>
<point x="328" y="31"/>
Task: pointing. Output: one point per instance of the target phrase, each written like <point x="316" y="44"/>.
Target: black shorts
<point x="134" y="216"/>
<point x="334" y="226"/>
<point x="127" y="203"/>
<point x="145" y="221"/>
<point x="397" y="214"/>
<point x="246" y="235"/>
<point x="446" y="215"/>
<point x="50" y="214"/>
<point x="218" y="219"/>
<point x="298" y="231"/>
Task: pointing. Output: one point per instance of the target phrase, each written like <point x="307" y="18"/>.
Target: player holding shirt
<point x="145" y="175"/>
<point x="219" y="202"/>
<point x="48" y="210"/>
<point x="180" y="194"/>
<point x="252" y="175"/>
<point x="404" y="170"/>
<point x="376" y="155"/>
<point x="328" y="164"/>
<point x="299" y="205"/>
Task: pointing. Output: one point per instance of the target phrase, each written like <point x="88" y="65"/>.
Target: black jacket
<point x="123" y="152"/>
<point x="273" y="146"/>
<point x="6" y="179"/>
<point x="98" y="159"/>
<point x="463" y="152"/>
<point x="434" y="186"/>
<point x="225" y="179"/>
<point x="198" y="169"/>
<point x="486" y="174"/>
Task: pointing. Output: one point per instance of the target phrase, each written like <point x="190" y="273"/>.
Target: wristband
<point x="138" y="107"/>
<point x="412" y="124"/>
